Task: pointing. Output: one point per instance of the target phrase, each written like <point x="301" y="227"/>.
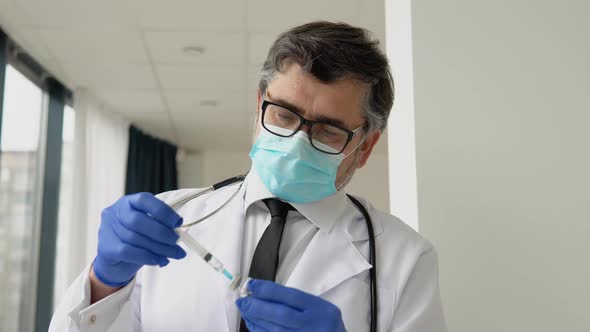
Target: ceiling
<point x="129" y="54"/>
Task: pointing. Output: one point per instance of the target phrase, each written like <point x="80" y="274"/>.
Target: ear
<point x="367" y="147"/>
<point x="258" y="100"/>
<point x="258" y="106"/>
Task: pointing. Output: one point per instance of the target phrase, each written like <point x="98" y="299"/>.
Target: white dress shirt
<point x="297" y="234"/>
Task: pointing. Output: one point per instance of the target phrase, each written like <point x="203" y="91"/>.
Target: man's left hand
<point x="273" y="307"/>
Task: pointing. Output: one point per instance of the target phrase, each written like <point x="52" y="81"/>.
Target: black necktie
<point x="266" y="255"/>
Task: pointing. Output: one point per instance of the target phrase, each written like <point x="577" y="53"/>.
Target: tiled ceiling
<point x="130" y="55"/>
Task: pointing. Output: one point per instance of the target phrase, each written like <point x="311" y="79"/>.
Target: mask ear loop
<point x="358" y="146"/>
<point x="346" y="156"/>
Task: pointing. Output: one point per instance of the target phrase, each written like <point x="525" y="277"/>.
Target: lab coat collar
<point x="329" y="259"/>
<point x="323" y="213"/>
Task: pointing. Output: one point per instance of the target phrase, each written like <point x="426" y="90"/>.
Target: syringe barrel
<point x="193" y="244"/>
<point x="215" y="264"/>
<point x="196" y="247"/>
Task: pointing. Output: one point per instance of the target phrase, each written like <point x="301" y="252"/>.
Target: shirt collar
<point x="323" y="213"/>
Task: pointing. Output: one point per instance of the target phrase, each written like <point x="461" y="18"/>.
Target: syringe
<point x="215" y="263"/>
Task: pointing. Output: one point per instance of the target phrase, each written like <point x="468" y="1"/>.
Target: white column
<point x="401" y="138"/>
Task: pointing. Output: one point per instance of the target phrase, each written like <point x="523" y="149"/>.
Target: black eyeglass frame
<point x="305" y="122"/>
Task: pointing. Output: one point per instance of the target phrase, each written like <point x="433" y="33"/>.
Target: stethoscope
<point x="359" y="205"/>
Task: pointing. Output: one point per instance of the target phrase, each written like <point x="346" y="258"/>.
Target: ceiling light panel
<point x="196" y="101"/>
<point x="219" y="15"/>
<point x="277" y="16"/>
<point x="219" y="47"/>
<point x="77" y="14"/>
<point x="95" y="45"/>
<point x="111" y="76"/>
<point x="132" y="100"/>
<point x="202" y="78"/>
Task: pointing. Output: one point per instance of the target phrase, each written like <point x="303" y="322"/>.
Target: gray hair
<point x="334" y="51"/>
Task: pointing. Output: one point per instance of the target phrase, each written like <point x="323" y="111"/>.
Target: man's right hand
<point x="137" y="230"/>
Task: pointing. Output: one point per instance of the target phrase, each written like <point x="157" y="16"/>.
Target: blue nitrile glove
<point x="273" y="307"/>
<point x="137" y="230"/>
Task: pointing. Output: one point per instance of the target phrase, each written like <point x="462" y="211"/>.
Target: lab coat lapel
<point x="222" y="236"/>
<point x="329" y="259"/>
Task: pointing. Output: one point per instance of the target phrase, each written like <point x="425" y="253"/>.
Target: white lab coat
<point x="187" y="295"/>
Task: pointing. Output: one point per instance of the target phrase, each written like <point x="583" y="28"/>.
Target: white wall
<point x="502" y="108"/>
<point x="189" y="167"/>
<point x="218" y="165"/>
<point x="202" y="169"/>
<point x="372" y="181"/>
<point x="205" y="168"/>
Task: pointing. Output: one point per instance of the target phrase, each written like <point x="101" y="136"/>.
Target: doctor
<point x="324" y="97"/>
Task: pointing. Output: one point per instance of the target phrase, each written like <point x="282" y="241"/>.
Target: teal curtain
<point x="151" y="164"/>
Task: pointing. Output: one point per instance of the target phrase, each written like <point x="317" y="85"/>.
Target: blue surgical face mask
<point x="292" y="169"/>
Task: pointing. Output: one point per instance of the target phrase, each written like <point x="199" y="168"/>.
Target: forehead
<point x="340" y="99"/>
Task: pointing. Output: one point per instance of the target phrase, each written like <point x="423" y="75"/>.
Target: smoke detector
<point x="194" y="50"/>
<point x="208" y="102"/>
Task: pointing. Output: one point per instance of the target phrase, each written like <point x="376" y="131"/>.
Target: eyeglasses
<point x="324" y="137"/>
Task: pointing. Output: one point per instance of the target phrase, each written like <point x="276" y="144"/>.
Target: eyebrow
<point x="319" y="118"/>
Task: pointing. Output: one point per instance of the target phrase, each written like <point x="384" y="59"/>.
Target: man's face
<point x="338" y="101"/>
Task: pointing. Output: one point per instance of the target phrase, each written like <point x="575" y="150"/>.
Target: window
<point x="20" y="165"/>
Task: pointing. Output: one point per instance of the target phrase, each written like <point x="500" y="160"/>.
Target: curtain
<point x="151" y="164"/>
<point x="100" y="155"/>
